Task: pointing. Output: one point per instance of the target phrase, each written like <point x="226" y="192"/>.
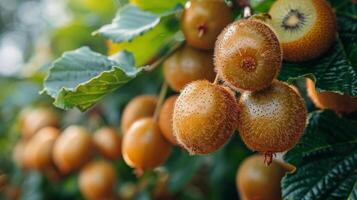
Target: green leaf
<point x="261" y="5"/>
<point x="326" y="160"/>
<point x="182" y="167"/>
<point x="337" y="69"/>
<point x="147" y="47"/>
<point x="348" y="36"/>
<point x="343" y="7"/>
<point x="332" y="72"/>
<point x="157" y="6"/>
<point x="131" y="22"/>
<point x="81" y="78"/>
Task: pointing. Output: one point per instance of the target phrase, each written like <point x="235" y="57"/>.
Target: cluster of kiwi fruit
<point x="226" y="77"/>
<point x="43" y="147"/>
<point x="270" y="115"/>
<point x="306" y="29"/>
<point x="246" y="56"/>
<point x="148" y="139"/>
<point x="145" y="145"/>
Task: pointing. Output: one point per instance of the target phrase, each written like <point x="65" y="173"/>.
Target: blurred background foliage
<point x="32" y="34"/>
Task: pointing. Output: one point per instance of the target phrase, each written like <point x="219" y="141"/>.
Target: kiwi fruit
<point x="248" y="55"/>
<point x="144" y="146"/>
<point x="72" y="149"/>
<point x="257" y="181"/>
<point x="306" y="28"/>
<point x="271" y="120"/>
<point x="38" y="151"/>
<point x="165" y="119"/>
<point x="18" y="152"/>
<point x="186" y="65"/>
<point x="97" y="180"/>
<point x="108" y="142"/>
<point x="33" y="119"/>
<point x="203" y="20"/>
<point x="342" y="104"/>
<point x="205" y="116"/>
<point x="139" y="107"/>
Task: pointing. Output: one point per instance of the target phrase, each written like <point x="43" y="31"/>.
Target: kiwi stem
<point x="161" y="99"/>
<point x="138" y="172"/>
<point x="216" y="80"/>
<point x="268" y="157"/>
<point x="201" y="30"/>
<point x="160" y="60"/>
<point x="247" y="12"/>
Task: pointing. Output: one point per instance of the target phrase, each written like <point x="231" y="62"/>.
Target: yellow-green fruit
<point x="329" y="100"/>
<point x="203" y="20"/>
<point x="33" y="119"/>
<point x="108" y="142"/>
<point x="256" y="181"/>
<point x="38" y="151"/>
<point x="165" y="119"/>
<point x="248" y="55"/>
<point x="144" y="146"/>
<point x="205" y="116"/>
<point x="272" y="120"/>
<point x="97" y="180"/>
<point x="138" y="108"/>
<point x="186" y="65"/>
<point x="72" y="149"/>
<point x="306" y="28"/>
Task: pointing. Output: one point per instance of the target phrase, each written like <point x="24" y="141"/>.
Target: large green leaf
<point x="261" y="5"/>
<point x="80" y="78"/>
<point x="336" y="70"/>
<point x="148" y="47"/>
<point x="332" y="72"/>
<point x="326" y="160"/>
<point x="131" y="22"/>
<point x="157" y="6"/>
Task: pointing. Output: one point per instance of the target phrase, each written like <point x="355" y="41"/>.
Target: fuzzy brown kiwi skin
<point x="341" y="104"/>
<point x="165" y="119"/>
<point x="148" y="153"/>
<point x="140" y="107"/>
<point x="205" y="116"/>
<point x="203" y="20"/>
<point x="318" y="40"/>
<point x="277" y="129"/>
<point x="228" y="64"/>
<point x="255" y="180"/>
<point x="186" y="65"/>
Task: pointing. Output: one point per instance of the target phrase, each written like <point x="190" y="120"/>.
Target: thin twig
<point x="161" y="99"/>
<point x="160" y="60"/>
<point x="247" y="12"/>
<point x="216" y="80"/>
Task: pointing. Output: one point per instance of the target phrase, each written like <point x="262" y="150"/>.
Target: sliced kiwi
<point x="306" y="28"/>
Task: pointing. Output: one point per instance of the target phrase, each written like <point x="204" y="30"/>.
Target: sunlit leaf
<point x="81" y="78"/>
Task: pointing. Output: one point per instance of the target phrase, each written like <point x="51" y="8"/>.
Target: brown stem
<point x="160" y="60"/>
<point x="216" y="80"/>
<point x="268" y="157"/>
<point x="201" y="30"/>
<point x="161" y="99"/>
<point x="138" y="172"/>
<point x="247" y="11"/>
